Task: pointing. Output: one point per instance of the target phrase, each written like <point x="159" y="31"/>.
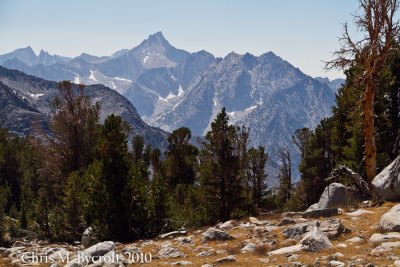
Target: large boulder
<point x="331" y="227"/>
<point x="336" y="196"/>
<point x="387" y="182"/>
<point x="90" y="253"/>
<point x="390" y="221"/>
<point x="316" y="240"/>
<point x="99" y="249"/>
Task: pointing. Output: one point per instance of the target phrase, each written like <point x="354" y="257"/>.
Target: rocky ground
<point x="367" y="236"/>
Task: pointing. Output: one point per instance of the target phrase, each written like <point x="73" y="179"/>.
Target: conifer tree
<point x="219" y="169"/>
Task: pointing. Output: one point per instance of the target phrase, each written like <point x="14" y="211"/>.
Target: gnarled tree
<point x="376" y="21"/>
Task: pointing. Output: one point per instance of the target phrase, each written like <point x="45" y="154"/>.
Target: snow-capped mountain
<point x="265" y="93"/>
<point x="26" y="100"/>
<point x="171" y="88"/>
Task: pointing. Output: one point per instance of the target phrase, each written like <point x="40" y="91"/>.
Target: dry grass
<point x="263" y="249"/>
<point x="364" y="226"/>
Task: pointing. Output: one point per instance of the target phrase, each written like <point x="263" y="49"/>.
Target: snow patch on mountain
<point x="123" y="79"/>
<point x="91" y="76"/>
<point x="180" y="91"/>
<point x="76" y="80"/>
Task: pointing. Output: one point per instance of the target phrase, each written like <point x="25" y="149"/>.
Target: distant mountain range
<point x="171" y="87"/>
<point x="25" y="103"/>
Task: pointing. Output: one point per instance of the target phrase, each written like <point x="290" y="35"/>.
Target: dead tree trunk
<point x="358" y="181"/>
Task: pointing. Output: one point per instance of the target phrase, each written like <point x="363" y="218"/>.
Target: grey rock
<point x="256" y="221"/>
<point x="336" y="264"/>
<point x="390" y="221"/>
<point x="288" y="250"/>
<point x="230" y="258"/>
<point x="249" y="247"/>
<point x="336" y="256"/>
<point x="227" y="225"/>
<point x="131" y="249"/>
<point x="316" y="240"/>
<point x="296" y="231"/>
<point x="331" y="227"/>
<point x="380" y="238"/>
<point x="384" y="248"/>
<point x="184" y="240"/>
<point x="319" y="213"/>
<point x="99" y="249"/>
<point x="260" y="231"/>
<point x="359" y="212"/>
<point x="293" y="257"/>
<point x="88" y="238"/>
<point x="173" y="233"/>
<point x="215" y="234"/>
<point x="387" y="182"/>
<point x="379" y="251"/>
<point x="206" y="253"/>
<point x="181" y="263"/>
<point x="168" y="251"/>
<point x="336" y="196"/>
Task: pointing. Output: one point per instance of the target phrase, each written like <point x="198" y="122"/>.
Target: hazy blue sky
<point x="302" y="32"/>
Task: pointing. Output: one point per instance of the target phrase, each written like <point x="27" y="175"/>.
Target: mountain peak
<point x="157" y="39"/>
<point x="27" y="50"/>
<point x="43" y="53"/>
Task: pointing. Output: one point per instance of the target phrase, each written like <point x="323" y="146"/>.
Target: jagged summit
<point x="157" y="37"/>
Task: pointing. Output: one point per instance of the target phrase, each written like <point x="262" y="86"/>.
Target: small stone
<point x="379" y="238"/>
<point x="287" y="250"/>
<point x="355" y="239"/>
<point x="293" y="257"/>
<point x="206" y="253"/>
<point x="359" y="212"/>
<point x="167" y="251"/>
<point x="255" y="221"/>
<point x="230" y="258"/>
<point x="174" y="233"/>
<point x="227" y="225"/>
<point x="336" y="264"/>
<point x="215" y="234"/>
<point x="250" y="247"/>
<point x="179" y="263"/>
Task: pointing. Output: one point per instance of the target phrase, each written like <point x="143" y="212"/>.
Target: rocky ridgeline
<point x="323" y="235"/>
